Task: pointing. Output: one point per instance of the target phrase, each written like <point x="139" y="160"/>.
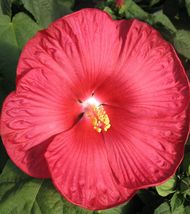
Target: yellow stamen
<point x="98" y="118"/>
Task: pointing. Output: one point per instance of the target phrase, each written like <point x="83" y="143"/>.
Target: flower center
<point x="97" y="115"/>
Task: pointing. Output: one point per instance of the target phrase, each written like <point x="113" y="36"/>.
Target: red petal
<point x="79" y="168"/>
<point x="82" y="46"/>
<point x="42" y="107"/>
<point x="31" y="161"/>
<point x="146" y="98"/>
<point x="150" y="80"/>
<point x="144" y="151"/>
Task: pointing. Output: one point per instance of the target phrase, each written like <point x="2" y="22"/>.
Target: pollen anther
<point x="98" y="118"/>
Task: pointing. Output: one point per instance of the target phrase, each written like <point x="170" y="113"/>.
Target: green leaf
<point x="182" y="42"/>
<point x="46" y="12"/>
<point x="176" y="204"/>
<point x="187" y="2"/>
<point x="24" y="28"/>
<point x="116" y="210"/>
<point x="1" y="11"/>
<point x="51" y="202"/>
<point x="6" y="7"/>
<point x="187" y="210"/>
<point x="160" y="18"/>
<point x="13" y="35"/>
<point x="9" y="53"/>
<point x="21" y="194"/>
<point x="153" y="2"/>
<point x="17" y="191"/>
<point x="185" y="186"/>
<point x="132" y="10"/>
<point x="167" y="187"/>
<point x="110" y="11"/>
<point x="164" y="208"/>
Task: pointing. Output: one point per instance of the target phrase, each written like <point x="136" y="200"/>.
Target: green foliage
<point x="176" y="204"/>
<point x="20" y="193"/>
<point x="164" y="208"/>
<point x="182" y="42"/>
<point x="24" y="28"/>
<point x="153" y="2"/>
<point x="160" y="18"/>
<point x="116" y="210"/>
<point x="185" y="186"/>
<point x="132" y="10"/>
<point x="46" y="12"/>
<point x="167" y="187"/>
<point x="6" y="7"/>
<point x="9" y="52"/>
<point x="13" y="35"/>
<point x="188" y="6"/>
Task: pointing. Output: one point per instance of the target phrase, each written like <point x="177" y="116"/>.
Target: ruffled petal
<point x="41" y="107"/>
<point x="82" y="46"/>
<point x="144" y="151"/>
<point x="31" y="161"/>
<point x="146" y="99"/>
<point x="150" y="80"/>
<point x="79" y="168"/>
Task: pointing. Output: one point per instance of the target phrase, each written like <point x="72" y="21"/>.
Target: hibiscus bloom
<point x="100" y="107"/>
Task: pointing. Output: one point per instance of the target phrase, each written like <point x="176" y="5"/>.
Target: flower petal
<point x="79" y="168"/>
<point x="144" y="151"/>
<point x="146" y="100"/>
<point x="31" y="161"/>
<point x="41" y="107"/>
<point x="150" y="80"/>
<point x="82" y="46"/>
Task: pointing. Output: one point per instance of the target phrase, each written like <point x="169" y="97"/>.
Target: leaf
<point x="167" y="187"/>
<point x="9" y="53"/>
<point x="132" y="10"/>
<point x="21" y="194"/>
<point x="110" y="12"/>
<point x="13" y="35"/>
<point x="176" y="204"/>
<point x="115" y="210"/>
<point x="46" y="12"/>
<point x="185" y="186"/>
<point x="160" y="18"/>
<point x="187" y="210"/>
<point x="187" y="2"/>
<point x="164" y="208"/>
<point x="17" y="191"/>
<point x="153" y="2"/>
<point x="6" y="7"/>
<point x="51" y="202"/>
<point x="182" y="42"/>
<point x="24" y="28"/>
<point x="1" y="11"/>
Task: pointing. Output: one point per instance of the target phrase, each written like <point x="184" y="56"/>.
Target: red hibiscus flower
<point x="100" y="107"/>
